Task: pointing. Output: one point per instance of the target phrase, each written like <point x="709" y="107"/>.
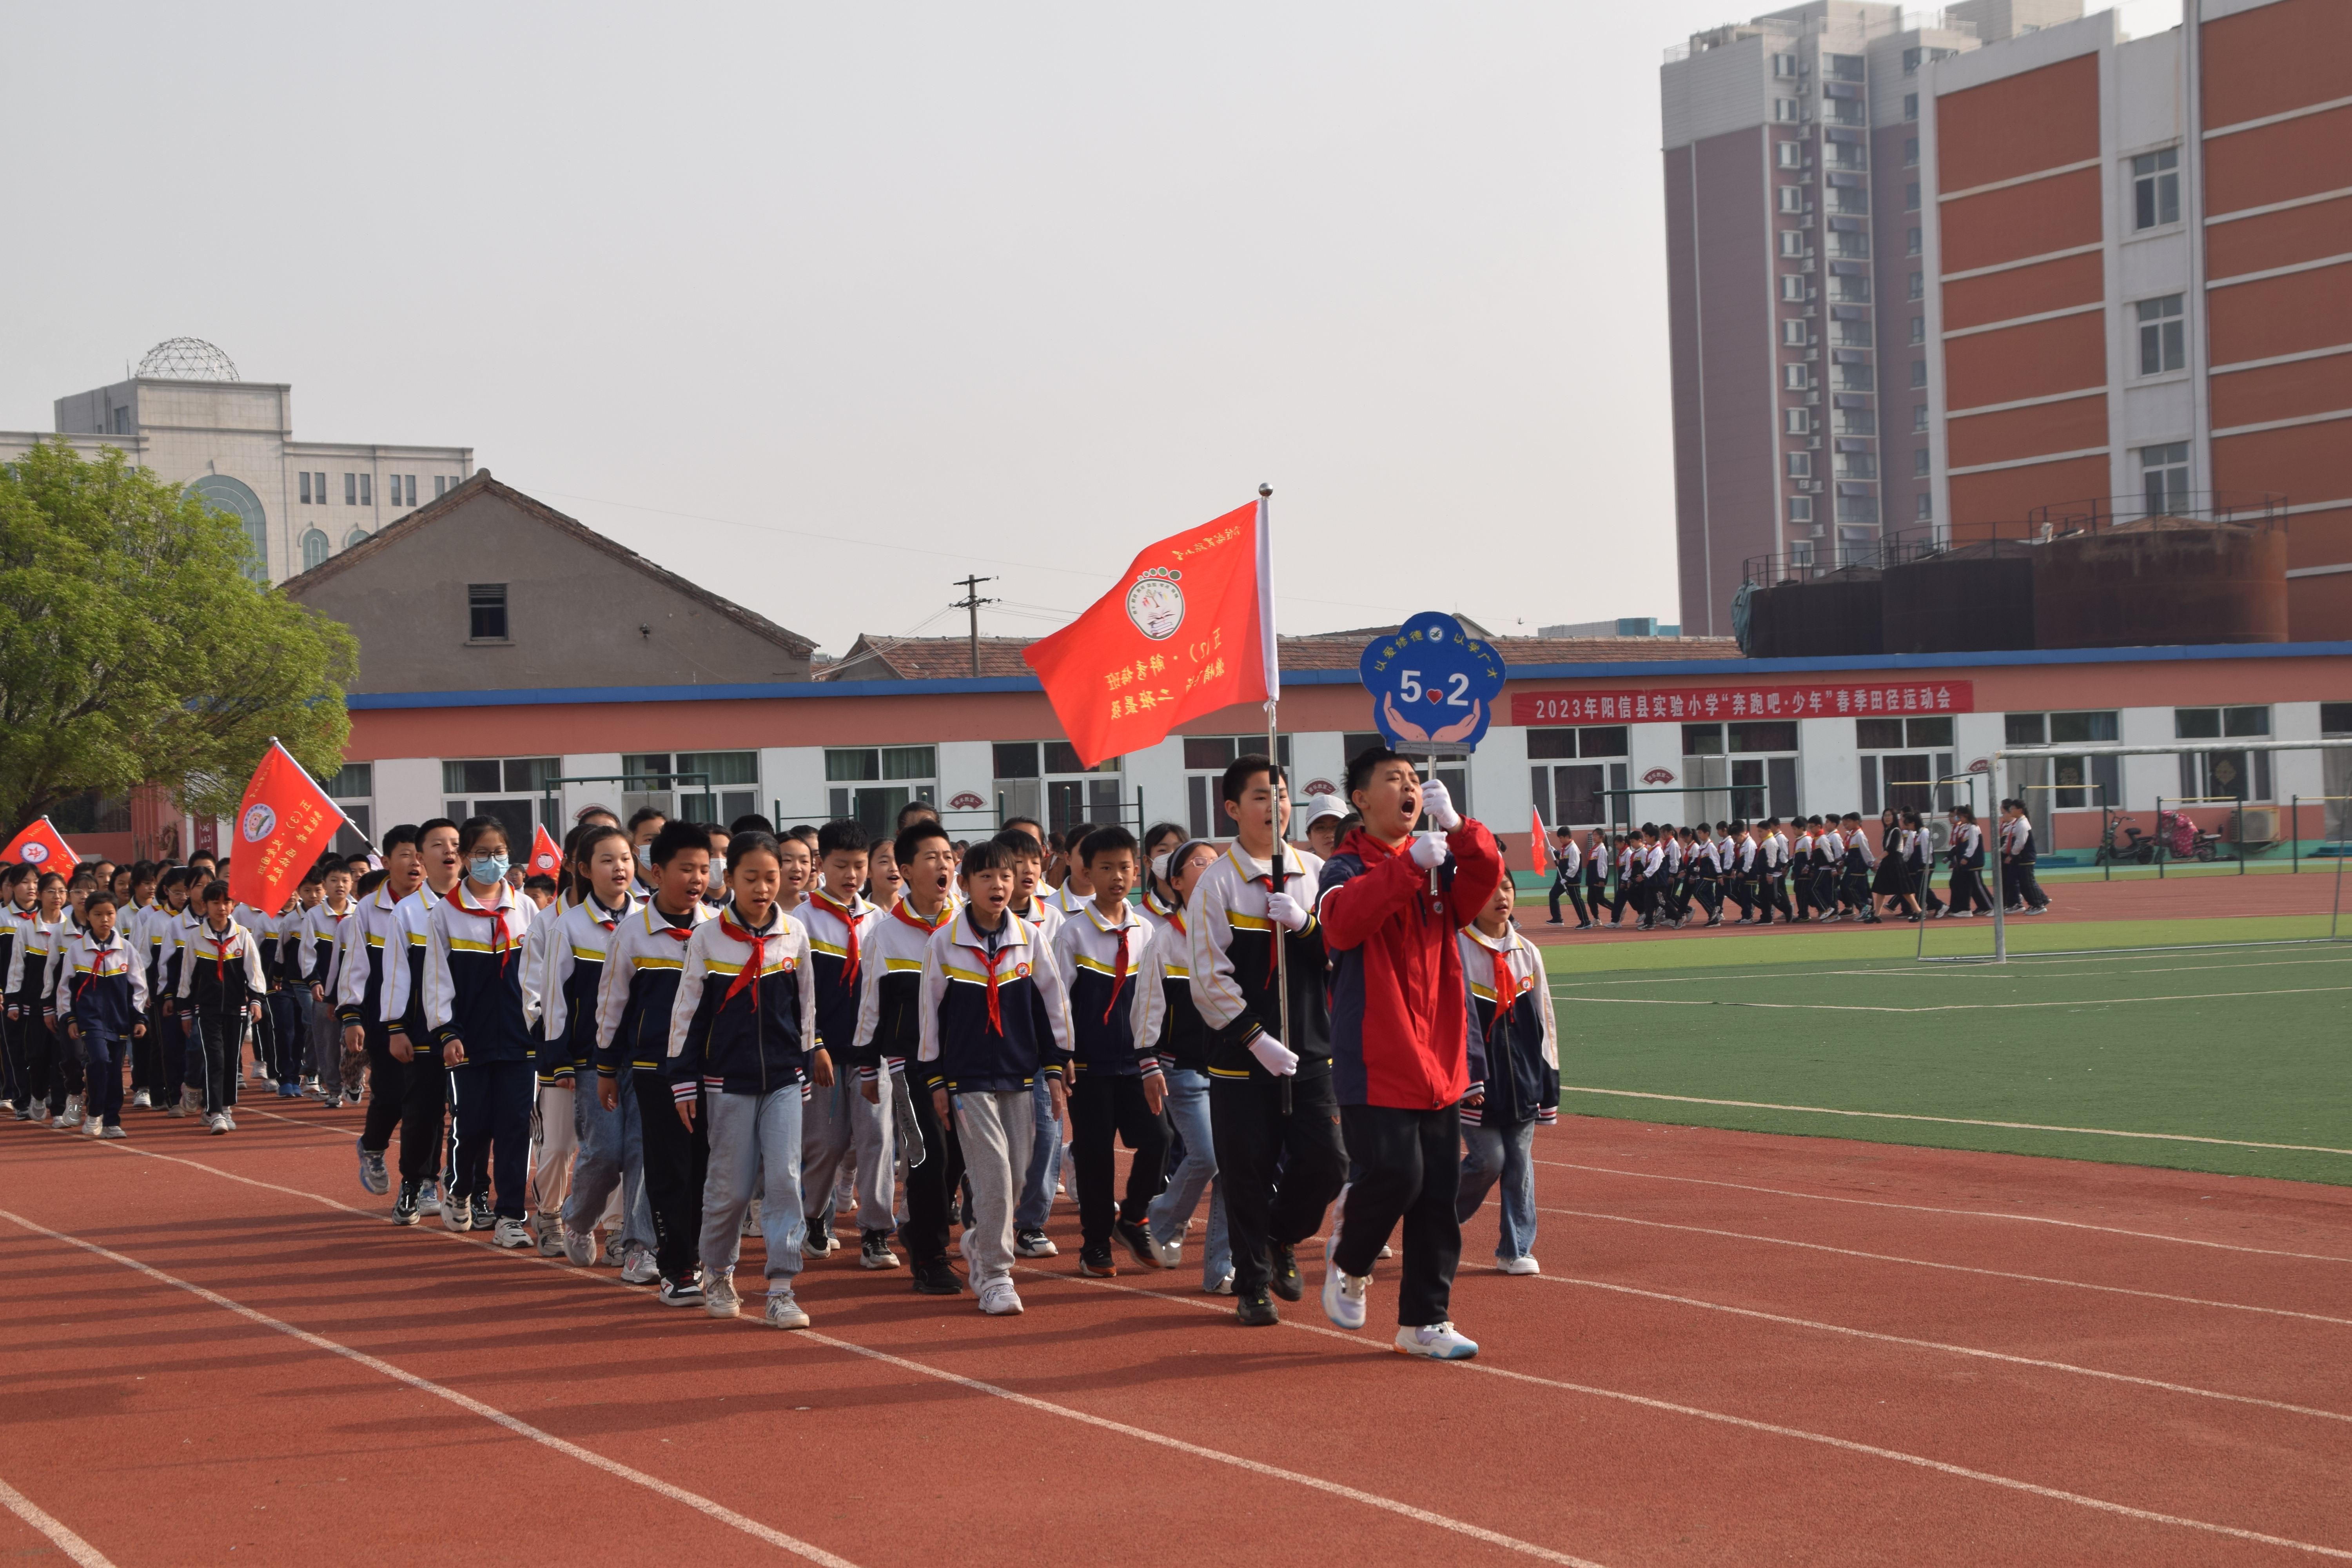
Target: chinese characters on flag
<point x="282" y="825"/>
<point x="1816" y="701"/>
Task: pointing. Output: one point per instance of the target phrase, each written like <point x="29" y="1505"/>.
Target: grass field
<point x="2230" y="1060"/>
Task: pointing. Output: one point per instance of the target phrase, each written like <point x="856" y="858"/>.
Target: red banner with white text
<point x="1813" y="700"/>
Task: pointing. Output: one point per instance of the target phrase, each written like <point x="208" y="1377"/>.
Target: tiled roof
<point x="872" y="657"/>
<point x="949" y="658"/>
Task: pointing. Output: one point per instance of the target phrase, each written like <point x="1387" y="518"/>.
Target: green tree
<point x="134" y="648"/>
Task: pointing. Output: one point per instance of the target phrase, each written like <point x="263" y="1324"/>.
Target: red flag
<point x="282" y="825"/>
<point x="43" y="846"/>
<point x="546" y="854"/>
<point x="1536" y="847"/>
<point x="1180" y="635"/>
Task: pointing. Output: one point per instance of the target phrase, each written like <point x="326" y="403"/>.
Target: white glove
<point x="1429" y="849"/>
<point x="1288" y="911"/>
<point x="1274" y="1056"/>
<point x="1439" y="803"/>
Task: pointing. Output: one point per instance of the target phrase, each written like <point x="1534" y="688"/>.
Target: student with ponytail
<point x="480" y="1003"/>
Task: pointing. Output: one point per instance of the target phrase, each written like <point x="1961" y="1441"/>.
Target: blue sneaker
<point x="373" y="1176"/>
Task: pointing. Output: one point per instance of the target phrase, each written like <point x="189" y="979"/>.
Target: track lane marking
<point x="1908" y="969"/>
<point x="67" y="1541"/>
<point x="1930" y="1208"/>
<point x="1940" y="1006"/>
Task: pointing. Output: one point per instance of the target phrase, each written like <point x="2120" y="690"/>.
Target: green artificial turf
<point x="2248" y="1044"/>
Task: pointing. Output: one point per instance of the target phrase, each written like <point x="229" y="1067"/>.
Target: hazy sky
<point x="826" y="306"/>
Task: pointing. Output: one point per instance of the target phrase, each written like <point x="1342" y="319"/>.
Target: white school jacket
<point x="368" y="933"/>
<point x="412" y="918"/>
<point x="895" y="947"/>
<point x="236" y="945"/>
<point x="322" y="944"/>
<point x="81" y="955"/>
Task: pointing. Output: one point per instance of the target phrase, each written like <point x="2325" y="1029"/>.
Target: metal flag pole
<point x="1274" y="760"/>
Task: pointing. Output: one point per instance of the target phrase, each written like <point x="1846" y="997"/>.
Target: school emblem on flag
<point x="258" y="822"/>
<point x="545" y="853"/>
<point x="41" y="845"/>
<point x="1156" y="604"/>
<point x="285" y="819"/>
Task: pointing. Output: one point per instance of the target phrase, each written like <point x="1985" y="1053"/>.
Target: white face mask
<point x="1160" y="865"/>
<point x="718" y="871"/>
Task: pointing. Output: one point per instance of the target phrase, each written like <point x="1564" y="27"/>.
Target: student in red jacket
<point x="1391" y="902"/>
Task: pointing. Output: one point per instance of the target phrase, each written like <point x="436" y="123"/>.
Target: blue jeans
<point x="612" y="1152"/>
<point x="1036" y="1205"/>
<point x="1501" y="1154"/>
<point x="755" y="1146"/>
<point x="1188" y="1110"/>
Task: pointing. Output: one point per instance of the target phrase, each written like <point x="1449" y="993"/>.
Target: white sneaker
<point x="580" y="1248"/>
<point x="116" y="1131"/>
<point x="1386" y="1251"/>
<point x="1223" y="1286"/>
<point x="718" y="1298"/>
<point x="229" y="1116"/>
<point x="73" y="1116"/>
<point x="217" y="1124"/>
<point x="1439" y="1341"/>
<point x="638" y="1267"/>
<point x="750" y="1225"/>
<point x="1343" y="1296"/>
<point x="1169" y="1253"/>
<point x="998" y="1299"/>
<point x="92" y="1126"/>
<point x="429" y="1197"/>
<point x="1522" y="1265"/>
<point x="142" y="1100"/>
<point x="783" y="1312"/>
<point x="458" y="1213"/>
<point x="512" y="1233"/>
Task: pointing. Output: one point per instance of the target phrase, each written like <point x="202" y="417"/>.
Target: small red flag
<point x="282" y="825"/>
<point x="43" y="846"/>
<point x="546" y="854"/>
<point x="1537" y="849"/>
<point x="1181" y="633"/>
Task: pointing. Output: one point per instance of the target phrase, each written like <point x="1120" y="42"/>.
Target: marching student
<point x="609" y="1156"/>
<point x="2021" y="890"/>
<point x="374" y="949"/>
<point x="1167" y="1021"/>
<point x="883" y="883"/>
<point x="1044" y="1165"/>
<point x="1968" y="856"/>
<point x="1393" y="904"/>
<point x="841" y="1125"/>
<point x="1910" y="859"/>
<point x="101" y="992"/>
<point x="18" y="887"/>
<point x="633" y="997"/>
<point x="32" y="1006"/>
<point x="1801" y="868"/>
<point x="1074" y="892"/>
<point x="1514" y="1075"/>
<point x="480" y="1004"/>
<point x="645" y="824"/>
<point x="1855" y="894"/>
<point x="319" y="949"/>
<point x="797" y="853"/>
<point x="554" y="1121"/>
<point x="890" y="1006"/>
<point x="424" y="1112"/>
<point x="1159" y="841"/>
<point x="994" y="1019"/>
<point x="134" y="896"/>
<point x="1566" y="859"/>
<point x="1324" y="816"/>
<point x="1117" y="1091"/>
<point x="1271" y="1107"/>
<point x="222" y="987"/>
<point x="1596" y="874"/>
<point x="744" y="1046"/>
<point x="1887" y="881"/>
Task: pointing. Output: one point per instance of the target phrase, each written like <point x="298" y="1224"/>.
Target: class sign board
<point x="1433" y="684"/>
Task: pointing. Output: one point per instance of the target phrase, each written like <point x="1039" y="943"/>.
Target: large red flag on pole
<point x="1187" y="629"/>
<point x="1537" y="858"/>
<point x="42" y="846"/>
<point x="283" y="824"/>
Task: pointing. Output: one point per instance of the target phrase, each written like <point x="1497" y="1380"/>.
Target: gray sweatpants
<point x="755" y="1146"/>
<point x="995" y="1131"/>
<point x="835" y="1122"/>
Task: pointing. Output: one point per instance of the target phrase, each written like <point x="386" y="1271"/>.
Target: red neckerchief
<point x="220" y="955"/>
<point x="676" y="933"/>
<point x="989" y="960"/>
<point x="501" y="941"/>
<point x="98" y="972"/>
<point x="758" y="943"/>
<point x="903" y="912"/>
<point x="1118" y="970"/>
<point x="849" y="919"/>
<point x="1507" y="990"/>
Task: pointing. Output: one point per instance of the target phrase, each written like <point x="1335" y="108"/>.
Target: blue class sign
<point x="1433" y="684"/>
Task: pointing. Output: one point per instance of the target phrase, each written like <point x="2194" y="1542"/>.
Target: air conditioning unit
<point x="1813" y="353"/>
<point x="1803" y="89"/>
<point x="1814" y="443"/>
<point x="1812" y="311"/>
<point x="2258" y="824"/>
<point x="1809" y="265"/>
<point x="1812" y="398"/>
<point x="1806" y="221"/>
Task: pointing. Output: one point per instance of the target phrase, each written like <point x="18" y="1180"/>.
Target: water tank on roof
<point x="1967" y="598"/>
<point x="2158" y="581"/>
<point x="1830" y="615"/>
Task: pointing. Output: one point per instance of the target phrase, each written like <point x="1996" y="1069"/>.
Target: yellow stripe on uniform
<point x="1248" y="922"/>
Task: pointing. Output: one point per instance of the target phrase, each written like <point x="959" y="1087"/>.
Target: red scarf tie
<point x="989" y="960"/>
<point x="501" y="939"/>
<point x="1119" y="972"/>
<point x="1507" y="991"/>
<point x="849" y="951"/>
<point x="220" y="957"/>
<point x="750" y="973"/>
<point x="901" y="912"/>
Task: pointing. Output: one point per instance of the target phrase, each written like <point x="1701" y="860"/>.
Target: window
<point x="2163" y="335"/>
<point x="517" y="780"/>
<point x="1784" y="65"/>
<point x="1840" y="155"/>
<point x="2223" y="775"/>
<point x="1853" y="200"/>
<point x="1853" y="247"/>
<point x="1918" y="418"/>
<point x="306" y="487"/>
<point x="1857" y="422"/>
<point x="1918" y="373"/>
<point x="690" y="786"/>
<point x="91" y="812"/>
<point x="1791" y="154"/>
<point x="1918" y="287"/>
<point x="1575" y="796"/>
<point x="1027" y="784"/>
<point x="1912" y="240"/>
<point x="1922" y="505"/>
<point x="1792" y="333"/>
<point x="2078" y="783"/>
<point x="314" y="550"/>
<point x="1792" y="198"/>
<point x="1910" y="106"/>
<point x="1206" y="757"/>
<point x="1843" y="112"/>
<point x="1920" y="464"/>
<point x="353" y="789"/>
<point x="1735" y="779"/>
<point x="1792" y="242"/>
<point x="1801" y="509"/>
<point x="350" y="489"/>
<point x="486" y="604"/>
<point x="319" y="488"/>
<point x="1857" y="465"/>
<point x="356" y="536"/>
<point x="1854" y="378"/>
<point x="1785" y="109"/>
<point x="1919" y="329"/>
<point x="1849" y="291"/>
<point x="1796" y="377"/>
<point x="2164" y="478"/>
<point x="356" y="781"/>
<point x="2156" y="188"/>
<point x="1903" y="762"/>
<point x="1800" y="464"/>
<point x="438" y="482"/>
<point x="1851" y="330"/>
<point x="367" y="487"/>
<point x="1793" y="288"/>
<point x="1857" y="508"/>
<point x="1911" y="151"/>
<point x="1800" y="552"/>
<point x="1796" y="421"/>
<point x="411" y="479"/>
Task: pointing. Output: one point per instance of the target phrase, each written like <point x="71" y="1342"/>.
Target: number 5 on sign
<point x="1433" y="685"/>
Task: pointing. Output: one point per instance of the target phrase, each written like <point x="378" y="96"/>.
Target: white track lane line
<point x="1941" y="1467"/>
<point x="1944" y="1007"/>
<point x="655" y="1484"/>
<point x="1966" y="1213"/>
<point x="1953" y="1268"/>
<point x="67" y="1541"/>
<point x="1908" y="970"/>
<point x="1939" y="1121"/>
<point x="1370" y="1500"/>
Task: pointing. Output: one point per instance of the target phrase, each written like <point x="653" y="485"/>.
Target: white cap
<point x="1320" y="805"/>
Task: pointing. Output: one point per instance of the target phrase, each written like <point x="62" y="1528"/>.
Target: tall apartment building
<point x="1795" y="244"/>
<point x="188" y="416"/>
<point x="2141" y="296"/>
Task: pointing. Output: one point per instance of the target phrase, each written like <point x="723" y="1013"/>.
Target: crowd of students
<point x="1808" y="870"/>
<point x="697" y="1033"/>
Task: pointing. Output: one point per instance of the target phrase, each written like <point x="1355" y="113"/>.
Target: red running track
<point x="1744" y="1349"/>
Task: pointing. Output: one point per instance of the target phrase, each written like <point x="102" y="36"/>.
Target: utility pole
<point x="972" y="601"/>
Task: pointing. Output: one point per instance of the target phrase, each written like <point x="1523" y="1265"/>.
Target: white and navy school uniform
<point x="1858" y="864"/>
<point x="30" y="997"/>
<point x="424" y="1086"/>
<point x="361" y="969"/>
<point x="318" y="951"/>
<point x="889" y="1029"/>
<point x="643" y="962"/>
<point x="14" y="922"/>
<point x="1169" y="1026"/>
<point x="1103" y="957"/>
<point x="1514" y="1070"/>
<point x="479" y="992"/>
<point x="1567" y="864"/>
<point x="1967" y="856"/>
<point x="2020" y="886"/>
<point x="608" y="1157"/>
<point x="839" y="1126"/>
<point x="221" y="980"/>
<point x="101" y="990"/>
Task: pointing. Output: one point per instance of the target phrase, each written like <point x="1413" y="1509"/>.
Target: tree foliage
<point x="134" y="647"/>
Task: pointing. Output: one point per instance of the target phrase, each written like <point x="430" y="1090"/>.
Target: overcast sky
<point x="826" y="306"/>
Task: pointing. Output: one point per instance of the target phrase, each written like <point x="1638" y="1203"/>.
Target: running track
<point x="1746" y="1349"/>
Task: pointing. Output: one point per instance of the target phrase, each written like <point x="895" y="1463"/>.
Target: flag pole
<point x="1272" y="756"/>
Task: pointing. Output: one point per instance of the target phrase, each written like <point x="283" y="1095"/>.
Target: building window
<point x="2156" y="188"/>
<point x="2075" y="784"/>
<point x="438" y="482"/>
<point x="1801" y="509"/>
<point x="1796" y="421"/>
<point x="1904" y="764"/>
<point x="1791" y="154"/>
<point x="1856" y="378"/>
<point x="1849" y="291"/>
<point x="1911" y="151"/>
<point x="1918" y="418"/>
<point x="894" y="778"/>
<point x="1918" y="372"/>
<point x="1785" y="109"/>
<point x="314" y="549"/>
<point x="1784" y="65"/>
<point x="1857" y="464"/>
<point x="2163" y="336"/>
<point x="1206" y="757"/>
<point x="1919" y="286"/>
<point x="353" y="789"/>
<point x="350" y="489"/>
<point x="1910" y="106"/>
<point x="412" y="488"/>
<point x="1922" y="505"/>
<point x="1842" y="155"/>
<point x="2164" y="479"/>
<point x="1800" y="552"/>
<point x="1857" y="508"/>
<point x="1796" y="377"/>
<point x="1792" y="242"/>
<point x="1792" y="333"/>
<point x="505" y="788"/>
<point x="1911" y="197"/>
<point x="2223" y="775"/>
<point x="1857" y="422"/>
<point x="1792" y="198"/>
<point x="306" y="487"/>
<point x="485" y="606"/>
<point x="1841" y="68"/>
<point x="1851" y="247"/>
<point x="1913" y="240"/>
<point x="1920" y="464"/>
<point x="1792" y="286"/>
<point x="356" y="536"/>
<point x="1919" y="331"/>
<point x="1576" y="794"/>
<point x="1850" y="331"/>
<point x="1800" y="464"/>
<point x="1737" y="778"/>
<point x="1854" y="202"/>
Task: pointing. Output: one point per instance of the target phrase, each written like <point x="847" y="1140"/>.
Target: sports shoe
<point x="783" y="1312"/>
<point x="874" y="1250"/>
<point x="178" y="1106"/>
<point x="1139" y="1243"/>
<point x="637" y="1266"/>
<point x="718" y="1298"/>
<point x="550" y="1230"/>
<point x="217" y="1124"/>
<point x="1168" y="1254"/>
<point x="611" y="1258"/>
<point x="819" y="1243"/>
<point x="937" y="1278"/>
<point x="428" y="1196"/>
<point x="1095" y="1262"/>
<point x="1286" y="1282"/>
<point x="1256" y="1312"/>
<point x="229" y="1116"/>
<point x="1223" y="1286"/>
<point x="351" y="1098"/>
<point x="290" y="1091"/>
<point x="1438" y="1342"/>
<point x="92" y="1126"/>
<point x="686" y="1292"/>
<point x="404" y="1208"/>
<point x="73" y="1116"/>
<point x="1343" y="1296"/>
<point x="41" y="1111"/>
<point x="750" y="1225"/>
<point x="458" y="1212"/>
<point x="507" y="1232"/>
<point x="372" y="1177"/>
<point x="998" y="1299"/>
<point x="578" y="1246"/>
<point x="1387" y="1251"/>
<point x="486" y="1216"/>
<point x="112" y="1129"/>
<point x="142" y="1100"/>
<point x="1034" y="1244"/>
<point x="1520" y="1265"/>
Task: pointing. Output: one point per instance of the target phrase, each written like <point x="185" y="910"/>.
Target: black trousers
<point x="388" y="1091"/>
<point x="1278" y="1173"/>
<point x="931" y="1187"/>
<point x="1772" y="891"/>
<point x="676" y="1163"/>
<point x="1567" y="886"/>
<point x="489" y="1121"/>
<point x="1968" y="889"/>
<point x="1104" y="1106"/>
<point x="1410" y="1170"/>
<point x="221" y="1038"/>
<point x="39" y="1048"/>
<point x="424" y="1116"/>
